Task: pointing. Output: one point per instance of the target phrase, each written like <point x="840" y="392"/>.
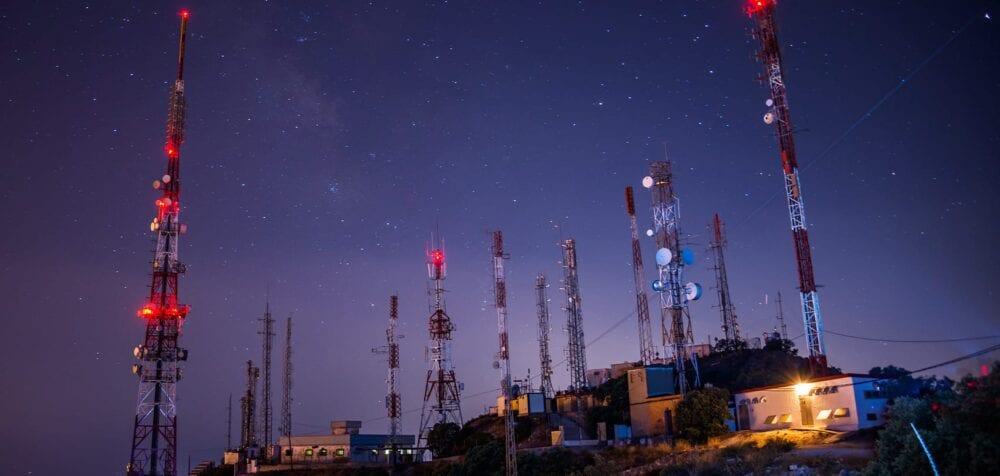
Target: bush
<point x="702" y="414"/>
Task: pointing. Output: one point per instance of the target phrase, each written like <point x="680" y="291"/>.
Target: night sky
<point x="326" y="143"/>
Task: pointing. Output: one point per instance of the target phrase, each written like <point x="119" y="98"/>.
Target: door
<point x="743" y="417"/>
<point x="805" y="405"/>
<point x="668" y="423"/>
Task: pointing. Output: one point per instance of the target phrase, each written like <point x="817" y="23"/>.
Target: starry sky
<point x="326" y="143"/>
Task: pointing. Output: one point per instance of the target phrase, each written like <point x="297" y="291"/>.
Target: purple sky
<point x="325" y="143"/>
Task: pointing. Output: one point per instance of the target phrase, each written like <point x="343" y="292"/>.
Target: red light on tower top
<point x="185" y="13"/>
<point x="755" y="6"/>
<point x="437" y="257"/>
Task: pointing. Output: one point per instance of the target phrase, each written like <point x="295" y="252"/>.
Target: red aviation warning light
<point x="185" y="13"/>
<point x="437" y="257"/>
<point x="754" y="6"/>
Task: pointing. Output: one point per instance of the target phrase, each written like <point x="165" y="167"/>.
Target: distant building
<point x="525" y="404"/>
<point x="345" y="443"/>
<point x="577" y="401"/>
<point x="617" y="370"/>
<point x="652" y="401"/>
<point x="844" y="402"/>
<point x="596" y="377"/>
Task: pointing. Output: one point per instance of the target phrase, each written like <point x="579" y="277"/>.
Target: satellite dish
<point x="769" y="118"/>
<point x="769" y="102"/>
<point x="647" y="181"/>
<point x="156" y="184"/>
<point x="692" y="291"/>
<point x="496" y="365"/>
<point x="658" y="286"/>
<point x="663" y="256"/>
<point x="649" y="232"/>
<point x="166" y="179"/>
<point x="687" y="256"/>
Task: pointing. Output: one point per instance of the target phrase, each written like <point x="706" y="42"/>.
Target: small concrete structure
<point x="845" y="402"/>
<point x="344" y="443"/>
<point x="533" y="403"/>
<point x="652" y="401"/>
<point x="572" y="402"/>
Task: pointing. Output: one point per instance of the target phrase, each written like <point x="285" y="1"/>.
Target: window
<point x="340" y="452"/>
<point x="771" y="419"/>
<point x="309" y="451"/>
<point x="871" y="417"/>
<point x="871" y="394"/>
<point x="323" y="452"/>
<point x="288" y="451"/>
<point x="786" y="418"/>
<point x="824" y="414"/>
<point x="842" y="412"/>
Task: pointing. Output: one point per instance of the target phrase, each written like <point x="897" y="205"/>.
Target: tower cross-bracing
<point x="576" y="352"/>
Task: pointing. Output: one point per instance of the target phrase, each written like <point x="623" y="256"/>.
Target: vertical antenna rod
<point x="229" y="423"/>
<point x="154" y="432"/>
<point x="646" y="352"/>
<point x="577" y="351"/>
<point x="762" y="11"/>
<point x="500" y="292"/>
<point x="781" y="318"/>
<point x="545" y="360"/>
<point x="266" y="418"/>
<point x="730" y="328"/>
<point x="442" y="402"/>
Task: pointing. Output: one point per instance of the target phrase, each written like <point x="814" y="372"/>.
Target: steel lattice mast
<point x="248" y="403"/>
<point x="674" y="294"/>
<point x="781" y="318"/>
<point x="503" y="356"/>
<point x="762" y="11"/>
<point x="646" y="352"/>
<point x="393" y="403"/>
<point x="545" y="360"/>
<point x="442" y="402"/>
<point x="266" y="418"/>
<point x="286" y="380"/>
<point x="577" y="352"/>
<point x="154" y="434"/>
<point x="730" y="328"/>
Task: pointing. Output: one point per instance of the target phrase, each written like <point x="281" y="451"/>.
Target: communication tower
<point x="646" y="352"/>
<point x="671" y="260"/>
<point x="286" y="396"/>
<point x="762" y="11"/>
<point x="442" y="402"/>
<point x="577" y="351"/>
<point x="248" y="430"/>
<point x="543" y="336"/>
<point x="266" y="419"/>
<point x="154" y="433"/>
<point x="393" y="403"/>
<point x="503" y="356"/>
<point x="730" y="328"/>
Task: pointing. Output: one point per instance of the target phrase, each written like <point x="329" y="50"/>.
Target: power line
<point x="912" y="341"/>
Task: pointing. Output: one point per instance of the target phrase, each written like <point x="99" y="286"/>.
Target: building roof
<point x="346" y="440"/>
<point x="812" y="380"/>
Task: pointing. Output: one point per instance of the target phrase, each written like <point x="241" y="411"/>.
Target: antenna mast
<point x="442" y="402"/>
<point x="248" y="430"/>
<point x="577" y="351"/>
<point x="730" y="328"/>
<point x="500" y="292"/>
<point x="393" y="403"/>
<point x="646" y="352"/>
<point x="265" y="405"/>
<point x="286" y="400"/>
<point x="781" y="318"/>
<point x="762" y="11"/>
<point x="154" y="432"/>
<point x="543" y="336"/>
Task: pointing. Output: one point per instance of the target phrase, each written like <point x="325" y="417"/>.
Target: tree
<point x="781" y="345"/>
<point x="443" y="439"/>
<point x="959" y="427"/>
<point x="729" y="345"/>
<point x="485" y="459"/>
<point x="615" y="409"/>
<point x="702" y="414"/>
<point x="900" y="383"/>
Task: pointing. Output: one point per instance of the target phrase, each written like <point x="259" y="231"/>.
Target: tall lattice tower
<point x="286" y="386"/>
<point x="393" y="403"/>
<point x="670" y="261"/>
<point x="544" y="359"/>
<point x="576" y="353"/>
<point x="730" y="328"/>
<point x="646" y="352"/>
<point x="154" y="434"/>
<point x="266" y="417"/>
<point x="248" y="405"/>
<point x="762" y="11"/>
<point x="503" y="355"/>
<point x="442" y="401"/>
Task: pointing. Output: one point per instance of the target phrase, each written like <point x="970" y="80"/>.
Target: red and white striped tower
<point x="154" y="435"/>
<point x="503" y="355"/>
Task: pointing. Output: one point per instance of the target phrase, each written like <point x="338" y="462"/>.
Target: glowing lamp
<point x="802" y="389"/>
<point x="437" y="257"/>
<point x="185" y="13"/>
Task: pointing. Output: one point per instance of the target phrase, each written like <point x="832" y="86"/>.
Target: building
<point x="345" y="443"/>
<point x="845" y="402"/>
<point x="575" y="401"/>
<point x="533" y="403"/>
<point x="596" y="377"/>
<point x="653" y="398"/>
<point x="617" y="370"/>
